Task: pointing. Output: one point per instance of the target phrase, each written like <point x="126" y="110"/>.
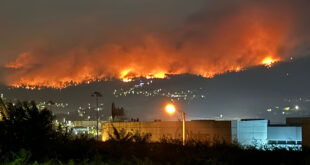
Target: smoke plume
<point x="222" y="37"/>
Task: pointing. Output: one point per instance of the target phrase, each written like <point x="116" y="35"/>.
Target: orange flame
<point x="239" y="40"/>
<point x="269" y="61"/>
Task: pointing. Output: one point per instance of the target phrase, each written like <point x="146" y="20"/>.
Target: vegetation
<point x="123" y="136"/>
<point x="29" y="137"/>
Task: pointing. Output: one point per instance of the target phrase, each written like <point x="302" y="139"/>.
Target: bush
<point x="28" y="137"/>
<point x="123" y="136"/>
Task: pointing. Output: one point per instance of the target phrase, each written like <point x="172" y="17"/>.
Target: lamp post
<point x="97" y="94"/>
<point x="170" y="108"/>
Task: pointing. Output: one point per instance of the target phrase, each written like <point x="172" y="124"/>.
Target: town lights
<point x="170" y="108"/>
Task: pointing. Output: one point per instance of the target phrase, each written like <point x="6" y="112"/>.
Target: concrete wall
<point x="306" y="133"/>
<point x="210" y="131"/>
<point x="198" y="130"/>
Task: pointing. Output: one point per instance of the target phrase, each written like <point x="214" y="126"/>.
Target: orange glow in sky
<point x="250" y="37"/>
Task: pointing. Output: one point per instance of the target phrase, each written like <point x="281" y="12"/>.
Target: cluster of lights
<point x="35" y="86"/>
<point x="297" y="100"/>
<point x="42" y="105"/>
<point x="293" y="106"/>
<point x="285" y="110"/>
<point x="138" y="89"/>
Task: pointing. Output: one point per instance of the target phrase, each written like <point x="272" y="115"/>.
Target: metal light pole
<point x="96" y="95"/>
<point x="170" y="108"/>
<point x="184" y="136"/>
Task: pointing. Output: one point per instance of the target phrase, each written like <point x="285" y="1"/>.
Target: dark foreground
<point x="90" y="152"/>
<point x="29" y="137"/>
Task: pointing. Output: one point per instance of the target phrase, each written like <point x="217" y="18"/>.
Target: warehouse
<point x="247" y="132"/>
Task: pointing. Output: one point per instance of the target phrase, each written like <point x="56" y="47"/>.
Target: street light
<point x="96" y="95"/>
<point x="170" y="108"/>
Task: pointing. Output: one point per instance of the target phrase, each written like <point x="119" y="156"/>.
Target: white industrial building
<point x="258" y="133"/>
<point x="249" y="132"/>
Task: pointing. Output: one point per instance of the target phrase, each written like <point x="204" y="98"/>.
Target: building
<point x="306" y="133"/>
<point x="80" y="130"/>
<point x="296" y="121"/>
<point x="251" y="132"/>
<point x="84" y="127"/>
<point x="286" y="136"/>
<point x="85" y="123"/>
<point x="198" y="130"/>
<point x="304" y="123"/>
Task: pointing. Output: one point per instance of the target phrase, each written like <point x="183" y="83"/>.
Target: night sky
<point x="70" y="49"/>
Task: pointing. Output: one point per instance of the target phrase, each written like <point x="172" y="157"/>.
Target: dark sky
<point x="52" y="43"/>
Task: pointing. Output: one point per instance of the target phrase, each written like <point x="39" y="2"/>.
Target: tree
<point x="120" y="135"/>
<point x="117" y="113"/>
<point x="123" y="136"/>
<point x="27" y="127"/>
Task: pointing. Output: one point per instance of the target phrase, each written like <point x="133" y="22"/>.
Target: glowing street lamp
<point x="170" y="108"/>
<point x="96" y="95"/>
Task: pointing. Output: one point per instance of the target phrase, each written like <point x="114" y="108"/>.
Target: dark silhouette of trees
<point x="120" y="135"/>
<point x="30" y="130"/>
<point x="117" y="113"/>
<point x="27" y="127"/>
<point x="123" y="136"/>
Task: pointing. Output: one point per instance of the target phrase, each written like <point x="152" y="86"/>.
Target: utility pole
<point x="184" y="134"/>
<point x="96" y="95"/>
<point x="170" y="108"/>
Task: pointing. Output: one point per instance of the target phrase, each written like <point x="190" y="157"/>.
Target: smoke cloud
<point x="222" y="37"/>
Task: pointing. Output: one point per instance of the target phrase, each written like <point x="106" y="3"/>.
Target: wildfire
<point x="124" y="75"/>
<point x="269" y="61"/>
<point x="127" y="75"/>
<point x="159" y="75"/>
<point x="238" y="40"/>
